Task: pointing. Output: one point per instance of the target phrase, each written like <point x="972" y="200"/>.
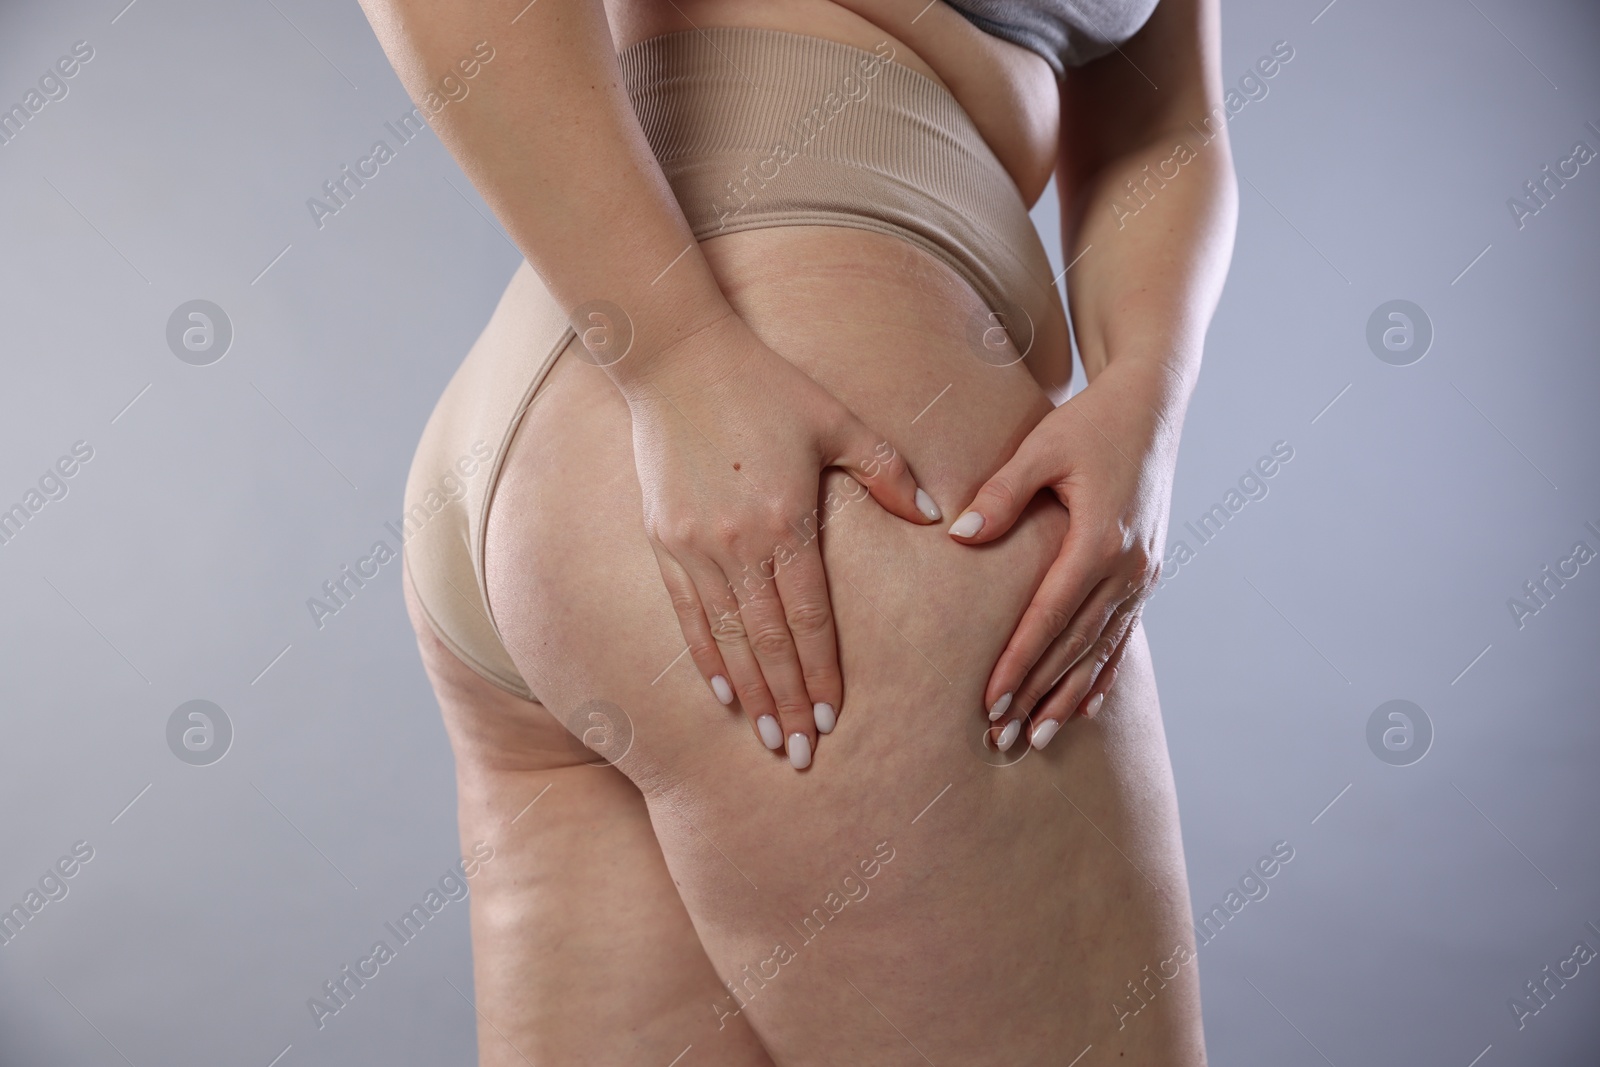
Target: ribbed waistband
<point x="756" y="128"/>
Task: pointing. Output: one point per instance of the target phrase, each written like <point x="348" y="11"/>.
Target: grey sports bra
<point x="1067" y="33"/>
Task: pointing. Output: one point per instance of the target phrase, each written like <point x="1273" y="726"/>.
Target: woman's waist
<point x="831" y="134"/>
<point x="1009" y="93"/>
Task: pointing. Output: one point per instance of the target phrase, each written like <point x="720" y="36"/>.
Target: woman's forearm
<point x="1149" y="200"/>
<point x="549" y="138"/>
<point x="1154" y="261"/>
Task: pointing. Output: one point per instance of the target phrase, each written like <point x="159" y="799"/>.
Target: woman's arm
<point x="548" y="138"/>
<point x="1149" y="203"/>
<point x="729" y="438"/>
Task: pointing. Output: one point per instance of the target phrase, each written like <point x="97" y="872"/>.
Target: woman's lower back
<point x="913" y="896"/>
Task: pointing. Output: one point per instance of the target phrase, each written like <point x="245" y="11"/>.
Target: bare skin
<point x="1013" y="911"/>
<point x="1018" y="904"/>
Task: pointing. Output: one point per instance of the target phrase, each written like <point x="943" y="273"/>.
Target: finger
<point x="1056" y="604"/>
<point x="1072" y="694"/>
<point x="1008" y="491"/>
<point x="767" y="630"/>
<point x="803" y="588"/>
<point x="692" y="620"/>
<point x="729" y="631"/>
<point x="1095" y="698"/>
<point x="878" y="466"/>
<point x="1089" y="625"/>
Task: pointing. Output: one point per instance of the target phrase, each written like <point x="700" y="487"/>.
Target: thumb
<point x="878" y="466"/>
<point x="999" y="503"/>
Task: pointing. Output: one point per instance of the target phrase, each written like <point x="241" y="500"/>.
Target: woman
<point x="779" y="262"/>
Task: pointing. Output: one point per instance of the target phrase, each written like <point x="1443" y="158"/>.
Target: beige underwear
<point x="752" y="128"/>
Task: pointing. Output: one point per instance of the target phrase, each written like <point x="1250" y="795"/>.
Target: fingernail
<point x="967" y="525"/>
<point x="998" y="708"/>
<point x="1044" y="731"/>
<point x="1094" y="704"/>
<point x="720" y="686"/>
<point x="771" y="736"/>
<point x="1009" y="735"/>
<point x="825" y="717"/>
<point x="929" y="509"/>
<point x="799" y="751"/>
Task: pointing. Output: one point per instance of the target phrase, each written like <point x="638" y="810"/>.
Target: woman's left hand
<point x="1108" y="454"/>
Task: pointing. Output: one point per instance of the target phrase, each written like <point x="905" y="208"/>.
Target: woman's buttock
<point x="913" y="893"/>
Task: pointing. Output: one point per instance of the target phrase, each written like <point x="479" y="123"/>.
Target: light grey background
<point x="1378" y="567"/>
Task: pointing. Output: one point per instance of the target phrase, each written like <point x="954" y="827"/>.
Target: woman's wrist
<point x="638" y="334"/>
<point x="1152" y="390"/>
<point x="682" y="354"/>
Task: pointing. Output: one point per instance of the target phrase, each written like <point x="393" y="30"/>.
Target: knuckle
<point x="673" y="530"/>
<point x="1002" y="494"/>
<point x="685" y="604"/>
<point x="727" y="627"/>
<point x="1054" y="618"/>
<point x="727" y="536"/>
<point x="1142" y="565"/>
<point x="793" y="709"/>
<point x="822" y="681"/>
<point x="808" y="618"/>
<point x="1031" y="692"/>
<point x="769" y="641"/>
<point x="753" y="694"/>
<point x="893" y="468"/>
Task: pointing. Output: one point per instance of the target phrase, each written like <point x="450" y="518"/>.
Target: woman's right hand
<point x="730" y="440"/>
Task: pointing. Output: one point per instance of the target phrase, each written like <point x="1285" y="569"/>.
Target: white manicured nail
<point x="999" y="707"/>
<point x="724" y="691"/>
<point x="1044" y="731"/>
<point x="799" y="751"/>
<point x="967" y="525"/>
<point x="825" y="717"/>
<point x="1009" y="735"/>
<point x="929" y="509"/>
<point x="771" y="735"/>
<point x="1093" y="706"/>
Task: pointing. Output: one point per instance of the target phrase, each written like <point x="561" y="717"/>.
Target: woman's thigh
<point x="569" y="882"/>
<point x="910" y="894"/>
